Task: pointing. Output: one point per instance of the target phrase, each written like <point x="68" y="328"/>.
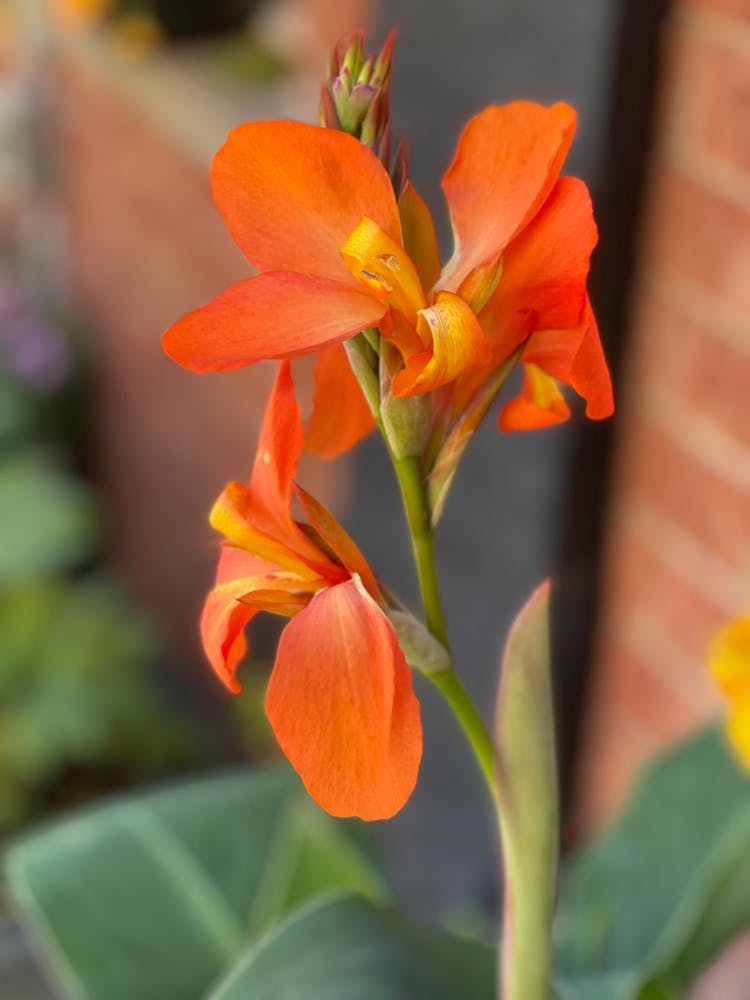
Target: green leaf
<point x="345" y="948"/>
<point x="154" y="897"/>
<point x="661" y="892"/>
<point x="48" y="521"/>
<point x="528" y="799"/>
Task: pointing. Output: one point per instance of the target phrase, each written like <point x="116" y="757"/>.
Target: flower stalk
<point x="447" y="681"/>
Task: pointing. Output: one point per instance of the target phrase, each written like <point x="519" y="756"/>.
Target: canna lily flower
<point x="315" y="212"/>
<point x="730" y="666"/>
<point x="340" y="698"/>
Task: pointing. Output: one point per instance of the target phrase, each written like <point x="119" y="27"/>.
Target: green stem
<point x="456" y="695"/>
<point x="409" y="478"/>
<point x="449" y="683"/>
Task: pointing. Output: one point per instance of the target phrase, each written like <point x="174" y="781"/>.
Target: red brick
<point x="698" y="234"/>
<point x="638" y="578"/>
<point x="737" y="9"/>
<point x="635" y="686"/>
<point x="711" y="509"/>
<point x="692" y="361"/>
<point x="707" y="99"/>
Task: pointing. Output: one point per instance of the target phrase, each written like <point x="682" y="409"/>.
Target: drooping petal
<point x="541" y="404"/>
<point x="341" y="704"/>
<point x="575" y="357"/>
<point x="291" y="194"/>
<point x="589" y="374"/>
<point x="458" y="346"/>
<point x="420" y="241"/>
<point x="224" y="619"/>
<point x="273" y="315"/>
<point x="341" y="416"/>
<point x="506" y="163"/>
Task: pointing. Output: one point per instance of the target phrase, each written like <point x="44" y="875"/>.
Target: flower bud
<point x="355" y="99"/>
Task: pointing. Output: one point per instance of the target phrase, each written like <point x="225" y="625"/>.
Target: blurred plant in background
<point x="78" y="711"/>
<point x="142" y="25"/>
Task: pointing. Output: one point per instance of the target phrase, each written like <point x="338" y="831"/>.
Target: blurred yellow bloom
<point x="730" y="665"/>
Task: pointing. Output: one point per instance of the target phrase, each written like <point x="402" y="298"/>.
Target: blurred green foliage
<point x="221" y="888"/>
<point x="78" y="709"/>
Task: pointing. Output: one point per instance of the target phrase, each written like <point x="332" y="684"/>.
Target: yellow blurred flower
<point x="730" y="666"/>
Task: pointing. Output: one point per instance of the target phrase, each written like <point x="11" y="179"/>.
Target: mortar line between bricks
<point x="697" y="436"/>
<point x="684" y="672"/>
<point x="688" y="298"/>
<point x="713" y="173"/>
<point x="687" y="556"/>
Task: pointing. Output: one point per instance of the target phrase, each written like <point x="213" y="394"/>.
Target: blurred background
<point x="111" y="456"/>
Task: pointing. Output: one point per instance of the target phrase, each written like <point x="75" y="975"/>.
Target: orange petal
<point x="506" y="164"/>
<point x="589" y="374"/>
<point x="458" y="345"/>
<point x="224" y="618"/>
<point x="281" y="596"/>
<point x="541" y="404"/>
<point x="575" y="357"/>
<point x="248" y="526"/>
<point x="545" y="267"/>
<point x="339" y="541"/>
<point x="341" y="416"/>
<point x="279" y="446"/>
<point x="341" y="704"/>
<point x="420" y="240"/>
<point x="291" y="194"/>
<point x="273" y="315"/>
<point x="383" y="266"/>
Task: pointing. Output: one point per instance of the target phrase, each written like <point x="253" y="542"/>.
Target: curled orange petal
<point x="575" y="357"/>
<point x="223" y="619"/>
<point x="382" y="264"/>
<point x="458" y="345"/>
<point x="541" y="404"/>
<point x="341" y="704"/>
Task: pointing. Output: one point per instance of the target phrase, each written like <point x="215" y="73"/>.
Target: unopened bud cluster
<point x="355" y="99"/>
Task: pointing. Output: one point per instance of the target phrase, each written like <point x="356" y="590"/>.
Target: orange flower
<point x="340" y="698"/>
<point x="314" y="210"/>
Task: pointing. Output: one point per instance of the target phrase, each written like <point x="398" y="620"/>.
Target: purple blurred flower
<point x="31" y="351"/>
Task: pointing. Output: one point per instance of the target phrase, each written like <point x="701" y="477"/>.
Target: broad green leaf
<point x="48" y="521"/>
<point x="661" y="892"/>
<point x="154" y="897"/>
<point x="345" y="948"/>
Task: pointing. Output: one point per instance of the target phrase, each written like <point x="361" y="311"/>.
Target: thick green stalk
<point x="528" y="801"/>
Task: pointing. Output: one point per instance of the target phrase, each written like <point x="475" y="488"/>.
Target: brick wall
<point x="145" y="245"/>
<point x="678" y="552"/>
